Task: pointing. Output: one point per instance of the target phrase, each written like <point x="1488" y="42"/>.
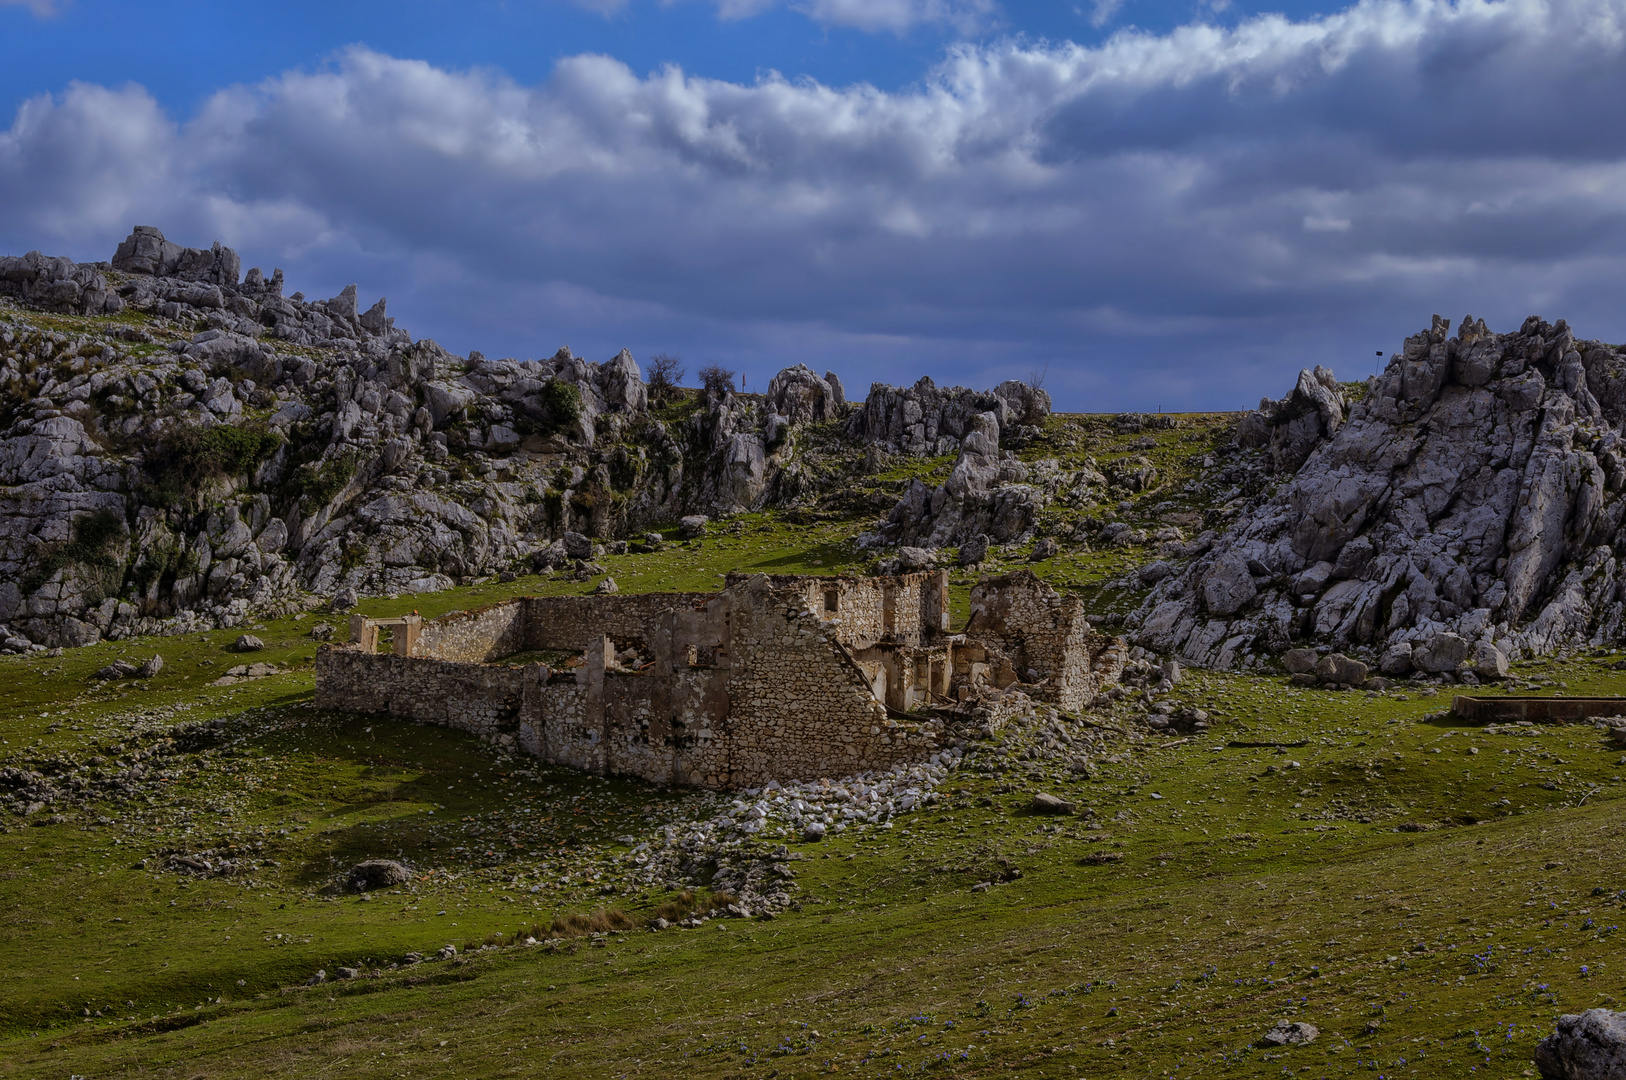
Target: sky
<point x="1151" y="206"/>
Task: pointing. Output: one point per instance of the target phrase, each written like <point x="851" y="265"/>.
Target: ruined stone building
<point x="774" y="677"/>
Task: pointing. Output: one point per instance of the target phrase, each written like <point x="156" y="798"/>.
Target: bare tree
<point x="718" y="381"/>
<point x="665" y="372"/>
<point x="1036" y="377"/>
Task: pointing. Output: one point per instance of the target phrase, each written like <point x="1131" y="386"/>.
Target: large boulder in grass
<point x="1587" y="1046"/>
<point x="377" y="874"/>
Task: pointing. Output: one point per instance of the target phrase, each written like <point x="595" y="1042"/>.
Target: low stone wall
<point x="478" y="698"/>
<point x="1508" y="710"/>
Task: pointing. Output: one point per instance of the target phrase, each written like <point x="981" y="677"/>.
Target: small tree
<point x="718" y="381"/>
<point x="665" y="372"/>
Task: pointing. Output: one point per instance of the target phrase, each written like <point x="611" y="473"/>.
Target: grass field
<point x="1429" y="896"/>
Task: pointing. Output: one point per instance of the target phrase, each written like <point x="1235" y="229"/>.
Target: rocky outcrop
<point x="987" y="494"/>
<point x="1468" y="506"/>
<point x="1290" y="428"/>
<point x="922" y="419"/>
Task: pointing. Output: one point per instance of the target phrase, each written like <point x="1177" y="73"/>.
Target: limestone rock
<point x="1441" y="652"/>
<point x="1338" y="668"/>
<point x="693" y="526"/>
<point x="247" y="643"/>
<point x="1050" y="804"/>
<point x="1290" y="1033"/>
<point x="1396" y="659"/>
<point x="153" y="666"/>
<point x="974" y="550"/>
<point x="1299" y="661"/>
<point x="377" y="874"/>
<point x="1586" y="1046"/>
<point x="1489" y="661"/>
<point x="1474" y="491"/>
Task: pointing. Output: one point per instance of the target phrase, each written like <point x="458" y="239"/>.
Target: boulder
<point x="1586" y="1046"/>
<point x="247" y="643"/>
<point x="577" y="546"/>
<point x="606" y="587"/>
<point x="1044" y="549"/>
<point x="153" y="666"/>
<point x="1299" y="661"/>
<point x="693" y="526"/>
<point x="1290" y="1033"/>
<point x="974" y="550"/>
<point x="1441" y="653"/>
<point x="1396" y="659"/>
<point x="344" y="600"/>
<point x="1489" y="661"/>
<point x="377" y="874"/>
<point x="1050" y="804"/>
<point x="814" y="832"/>
<point x="1338" y="668"/>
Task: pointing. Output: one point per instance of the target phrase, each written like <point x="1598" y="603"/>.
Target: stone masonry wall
<point x="909" y="608"/>
<point x="1045" y="633"/>
<point x="478" y="698"/>
<point x="572" y="622"/>
<point x="477" y="636"/>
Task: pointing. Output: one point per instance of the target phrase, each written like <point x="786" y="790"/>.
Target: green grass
<point x="1430" y="896"/>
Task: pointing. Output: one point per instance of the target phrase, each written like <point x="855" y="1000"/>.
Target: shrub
<point x="185" y="457"/>
<point x="665" y="372"/>
<point x="717" y="381"/>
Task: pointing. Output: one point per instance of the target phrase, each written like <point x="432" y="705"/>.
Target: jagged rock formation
<point x="986" y="495"/>
<point x="922" y="419"/>
<point x="217" y="448"/>
<point x="1469" y="503"/>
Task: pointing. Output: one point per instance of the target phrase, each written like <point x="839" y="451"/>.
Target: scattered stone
<point x="118" y="669"/>
<point x="577" y="546"/>
<point x="605" y="587"/>
<point x="344" y="600"/>
<point x="1586" y="1046"/>
<point x="1051" y="804"/>
<point x="247" y="643"/>
<point x="1044" y="549"/>
<point x="153" y="666"/>
<point x="659" y="924"/>
<point x="446" y="952"/>
<point x="693" y="527"/>
<point x="317" y="979"/>
<point x="322" y="632"/>
<point x="813" y="832"/>
<point x="349" y="972"/>
<point x="1290" y="1033"/>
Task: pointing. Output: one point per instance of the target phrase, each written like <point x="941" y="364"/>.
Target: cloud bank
<point x="1178" y="220"/>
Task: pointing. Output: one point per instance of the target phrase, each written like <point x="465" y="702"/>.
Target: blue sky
<point x="1166" y="205"/>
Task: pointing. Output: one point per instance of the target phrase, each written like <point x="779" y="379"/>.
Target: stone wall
<point x="1045" y="636"/>
<point x="754" y="683"/>
<point x="906" y="608"/>
<point x="477" y="636"/>
<point x="480" y="698"/>
<point x="573" y="622"/>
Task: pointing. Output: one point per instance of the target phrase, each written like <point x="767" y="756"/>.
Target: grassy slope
<point x="1253" y="889"/>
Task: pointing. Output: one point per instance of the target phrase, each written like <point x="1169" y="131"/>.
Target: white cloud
<point x="1198" y="213"/>
<point x="42" y="8"/>
<point x="875" y="16"/>
<point x="1103" y="12"/>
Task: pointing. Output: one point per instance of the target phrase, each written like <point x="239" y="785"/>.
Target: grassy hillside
<point x="1429" y="896"/>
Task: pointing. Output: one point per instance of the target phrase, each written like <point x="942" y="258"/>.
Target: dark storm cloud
<point x="1175" y="220"/>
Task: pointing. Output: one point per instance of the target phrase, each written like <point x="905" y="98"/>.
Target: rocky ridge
<point x="1465" y="511"/>
<point x="181" y="446"/>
